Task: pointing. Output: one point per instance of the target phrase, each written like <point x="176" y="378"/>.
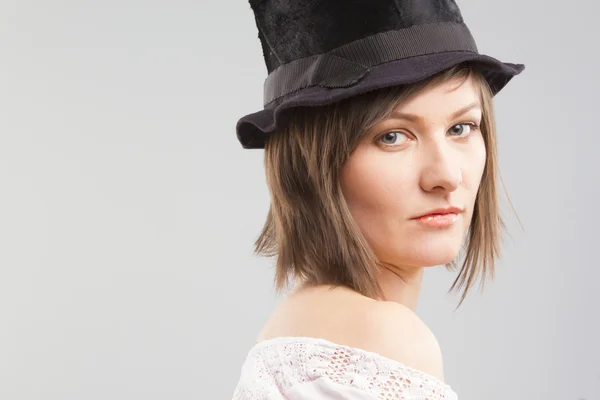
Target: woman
<point x="380" y="154"/>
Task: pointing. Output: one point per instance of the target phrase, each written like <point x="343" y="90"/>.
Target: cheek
<point x="473" y="168"/>
<point x="372" y="181"/>
<point x="376" y="187"/>
<point x="475" y="165"/>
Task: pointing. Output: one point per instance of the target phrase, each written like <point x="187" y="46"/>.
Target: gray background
<point x="128" y="209"/>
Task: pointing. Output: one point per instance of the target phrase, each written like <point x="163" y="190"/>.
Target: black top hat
<point x="320" y="51"/>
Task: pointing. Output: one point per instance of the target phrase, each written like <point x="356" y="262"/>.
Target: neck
<point x="401" y="284"/>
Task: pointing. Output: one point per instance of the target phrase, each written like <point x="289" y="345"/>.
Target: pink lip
<point x="438" y="220"/>
<point x="440" y="217"/>
<point x="447" y="210"/>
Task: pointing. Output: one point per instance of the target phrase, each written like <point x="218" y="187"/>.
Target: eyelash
<point x="471" y="124"/>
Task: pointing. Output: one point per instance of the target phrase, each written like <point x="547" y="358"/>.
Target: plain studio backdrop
<point x="128" y="209"/>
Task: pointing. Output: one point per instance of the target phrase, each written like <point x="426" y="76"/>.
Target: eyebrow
<point x="416" y="118"/>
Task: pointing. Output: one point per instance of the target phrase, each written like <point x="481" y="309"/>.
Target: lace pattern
<point x="277" y="365"/>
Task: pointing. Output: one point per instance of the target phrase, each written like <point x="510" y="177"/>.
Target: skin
<point x="432" y="162"/>
<point x="405" y="168"/>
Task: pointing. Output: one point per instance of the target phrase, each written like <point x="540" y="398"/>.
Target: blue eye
<point x="461" y="129"/>
<point x="390" y="138"/>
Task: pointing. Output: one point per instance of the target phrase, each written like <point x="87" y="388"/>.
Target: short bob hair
<point x="309" y="228"/>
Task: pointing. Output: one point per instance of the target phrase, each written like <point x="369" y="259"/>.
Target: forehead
<point x="442" y="98"/>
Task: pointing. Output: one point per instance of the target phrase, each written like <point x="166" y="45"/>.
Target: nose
<point x="441" y="170"/>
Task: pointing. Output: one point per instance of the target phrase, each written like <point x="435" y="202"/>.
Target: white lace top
<point x="303" y="368"/>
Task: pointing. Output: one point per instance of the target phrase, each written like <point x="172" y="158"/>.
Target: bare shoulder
<point x="341" y="316"/>
<point x="396" y="332"/>
<point x="324" y="312"/>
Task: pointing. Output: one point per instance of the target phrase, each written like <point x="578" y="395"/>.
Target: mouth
<point x="441" y="211"/>
<point x="440" y="218"/>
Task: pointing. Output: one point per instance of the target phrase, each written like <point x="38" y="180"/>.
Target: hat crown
<point x="293" y="29"/>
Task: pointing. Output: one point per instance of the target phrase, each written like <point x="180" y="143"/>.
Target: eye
<point x="392" y="138"/>
<point x="460" y="129"/>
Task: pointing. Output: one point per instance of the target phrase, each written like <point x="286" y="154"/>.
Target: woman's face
<point x="429" y="155"/>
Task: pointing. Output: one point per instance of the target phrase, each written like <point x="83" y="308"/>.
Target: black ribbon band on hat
<point x="348" y="64"/>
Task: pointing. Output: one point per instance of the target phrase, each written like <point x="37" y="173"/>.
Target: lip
<point x="440" y="211"/>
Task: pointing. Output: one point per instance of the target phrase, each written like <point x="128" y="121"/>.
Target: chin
<point x="435" y="261"/>
<point x="426" y="254"/>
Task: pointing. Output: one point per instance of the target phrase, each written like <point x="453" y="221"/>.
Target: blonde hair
<point x="309" y="228"/>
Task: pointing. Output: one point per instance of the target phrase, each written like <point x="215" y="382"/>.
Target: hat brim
<point x="253" y="129"/>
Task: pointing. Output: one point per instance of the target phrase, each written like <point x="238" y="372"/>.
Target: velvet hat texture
<point x="318" y="52"/>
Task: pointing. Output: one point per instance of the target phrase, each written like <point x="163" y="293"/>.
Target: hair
<point x="309" y="228"/>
